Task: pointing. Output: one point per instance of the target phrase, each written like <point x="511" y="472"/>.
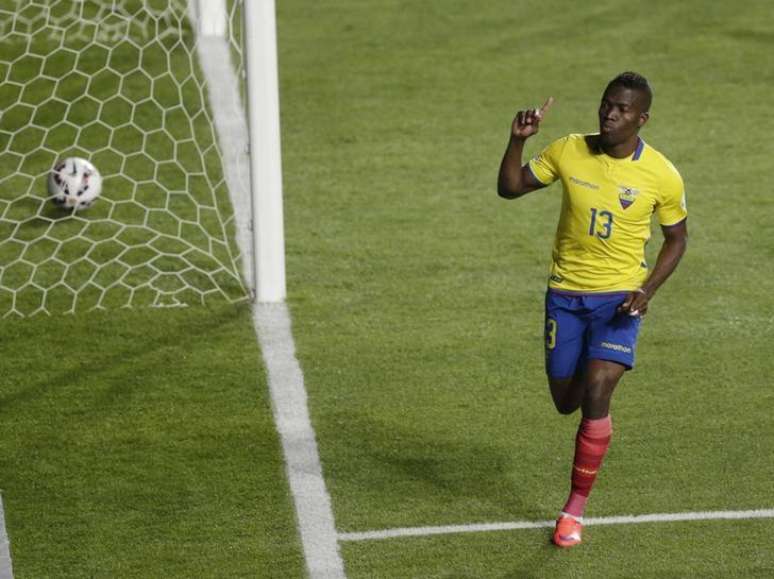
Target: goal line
<point x="591" y="521"/>
<point x="6" y="568"/>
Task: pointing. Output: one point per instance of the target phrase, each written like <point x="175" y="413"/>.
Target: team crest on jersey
<point x="627" y="195"/>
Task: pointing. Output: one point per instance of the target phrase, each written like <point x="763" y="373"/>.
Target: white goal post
<point x="261" y="71"/>
<point x="265" y="150"/>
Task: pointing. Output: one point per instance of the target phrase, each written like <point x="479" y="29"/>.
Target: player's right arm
<point x="515" y="179"/>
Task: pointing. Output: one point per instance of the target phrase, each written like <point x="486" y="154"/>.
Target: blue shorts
<point x="580" y="327"/>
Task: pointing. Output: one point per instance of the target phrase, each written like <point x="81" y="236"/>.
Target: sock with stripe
<point x="591" y="445"/>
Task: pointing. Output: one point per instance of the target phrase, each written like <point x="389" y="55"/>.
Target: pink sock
<point x="591" y="444"/>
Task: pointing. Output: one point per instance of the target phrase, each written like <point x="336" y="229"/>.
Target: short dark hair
<point x="634" y="81"/>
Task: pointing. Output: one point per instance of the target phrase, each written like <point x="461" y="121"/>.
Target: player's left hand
<point x="636" y="303"/>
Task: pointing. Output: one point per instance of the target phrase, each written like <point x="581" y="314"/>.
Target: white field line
<point x="272" y="324"/>
<point x="6" y="569"/>
<point x="291" y="415"/>
<point x="517" y="525"/>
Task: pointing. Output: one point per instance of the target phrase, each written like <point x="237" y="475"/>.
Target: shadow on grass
<point x="118" y="357"/>
<point x="411" y="464"/>
<point x="435" y="478"/>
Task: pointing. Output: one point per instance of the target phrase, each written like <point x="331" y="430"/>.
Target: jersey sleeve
<point x="545" y="165"/>
<point x="671" y="208"/>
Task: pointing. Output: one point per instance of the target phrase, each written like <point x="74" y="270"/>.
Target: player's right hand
<point x="527" y="123"/>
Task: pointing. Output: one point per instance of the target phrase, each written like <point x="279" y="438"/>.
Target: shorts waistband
<point x="564" y="292"/>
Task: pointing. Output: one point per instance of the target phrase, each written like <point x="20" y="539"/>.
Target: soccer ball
<point x="74" y="183"/>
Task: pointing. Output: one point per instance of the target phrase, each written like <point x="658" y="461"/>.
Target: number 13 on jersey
<point x="601" y="223"/>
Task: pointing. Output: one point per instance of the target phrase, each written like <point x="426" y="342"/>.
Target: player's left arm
<point x="672" y="250"/>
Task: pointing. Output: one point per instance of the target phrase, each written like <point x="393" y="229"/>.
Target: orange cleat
<point x="568" y="531"/>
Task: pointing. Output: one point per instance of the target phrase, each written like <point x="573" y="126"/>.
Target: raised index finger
<point x="546" y="105"/>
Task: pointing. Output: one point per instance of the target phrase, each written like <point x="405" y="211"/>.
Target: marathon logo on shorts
<point x="617" y="347"/>
<point x="627" y="195"/>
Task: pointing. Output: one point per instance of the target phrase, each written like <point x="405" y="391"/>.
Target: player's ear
<point x="644" y="116"/>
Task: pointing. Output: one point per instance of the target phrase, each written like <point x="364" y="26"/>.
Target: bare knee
<point x="566" y="408"/>
<point x="568" y="404"/>
<point x="567" y="394"/>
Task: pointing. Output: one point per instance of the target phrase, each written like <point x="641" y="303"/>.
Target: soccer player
<point x="599" y="285"/>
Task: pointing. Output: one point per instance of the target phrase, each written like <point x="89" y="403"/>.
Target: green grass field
<point x="417" y="293"/>
<point x="139" y="443"/>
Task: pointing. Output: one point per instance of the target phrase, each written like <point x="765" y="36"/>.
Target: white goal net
<point x="118" y="83"/>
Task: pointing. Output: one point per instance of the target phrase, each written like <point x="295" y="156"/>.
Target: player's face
<point x="621" y="115"/>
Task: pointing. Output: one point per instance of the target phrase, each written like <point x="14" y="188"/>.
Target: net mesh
<point x="117" y="83"/>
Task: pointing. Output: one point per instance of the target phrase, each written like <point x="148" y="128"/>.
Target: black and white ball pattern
<point x="74" y="183"/>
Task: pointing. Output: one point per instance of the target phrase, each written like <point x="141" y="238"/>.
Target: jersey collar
<point x="638" y="150"/>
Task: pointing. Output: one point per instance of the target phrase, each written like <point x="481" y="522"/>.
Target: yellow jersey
<point x="606" y="210"/>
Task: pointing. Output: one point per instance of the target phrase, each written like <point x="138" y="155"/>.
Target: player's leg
<point x="564" y="348"/>
<point x="591" y="443"/>
<point x="612" y="340"/>
<point x="568" y="393"/>
<point x="594" y="432"/>
<point x="602" y="376"/>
